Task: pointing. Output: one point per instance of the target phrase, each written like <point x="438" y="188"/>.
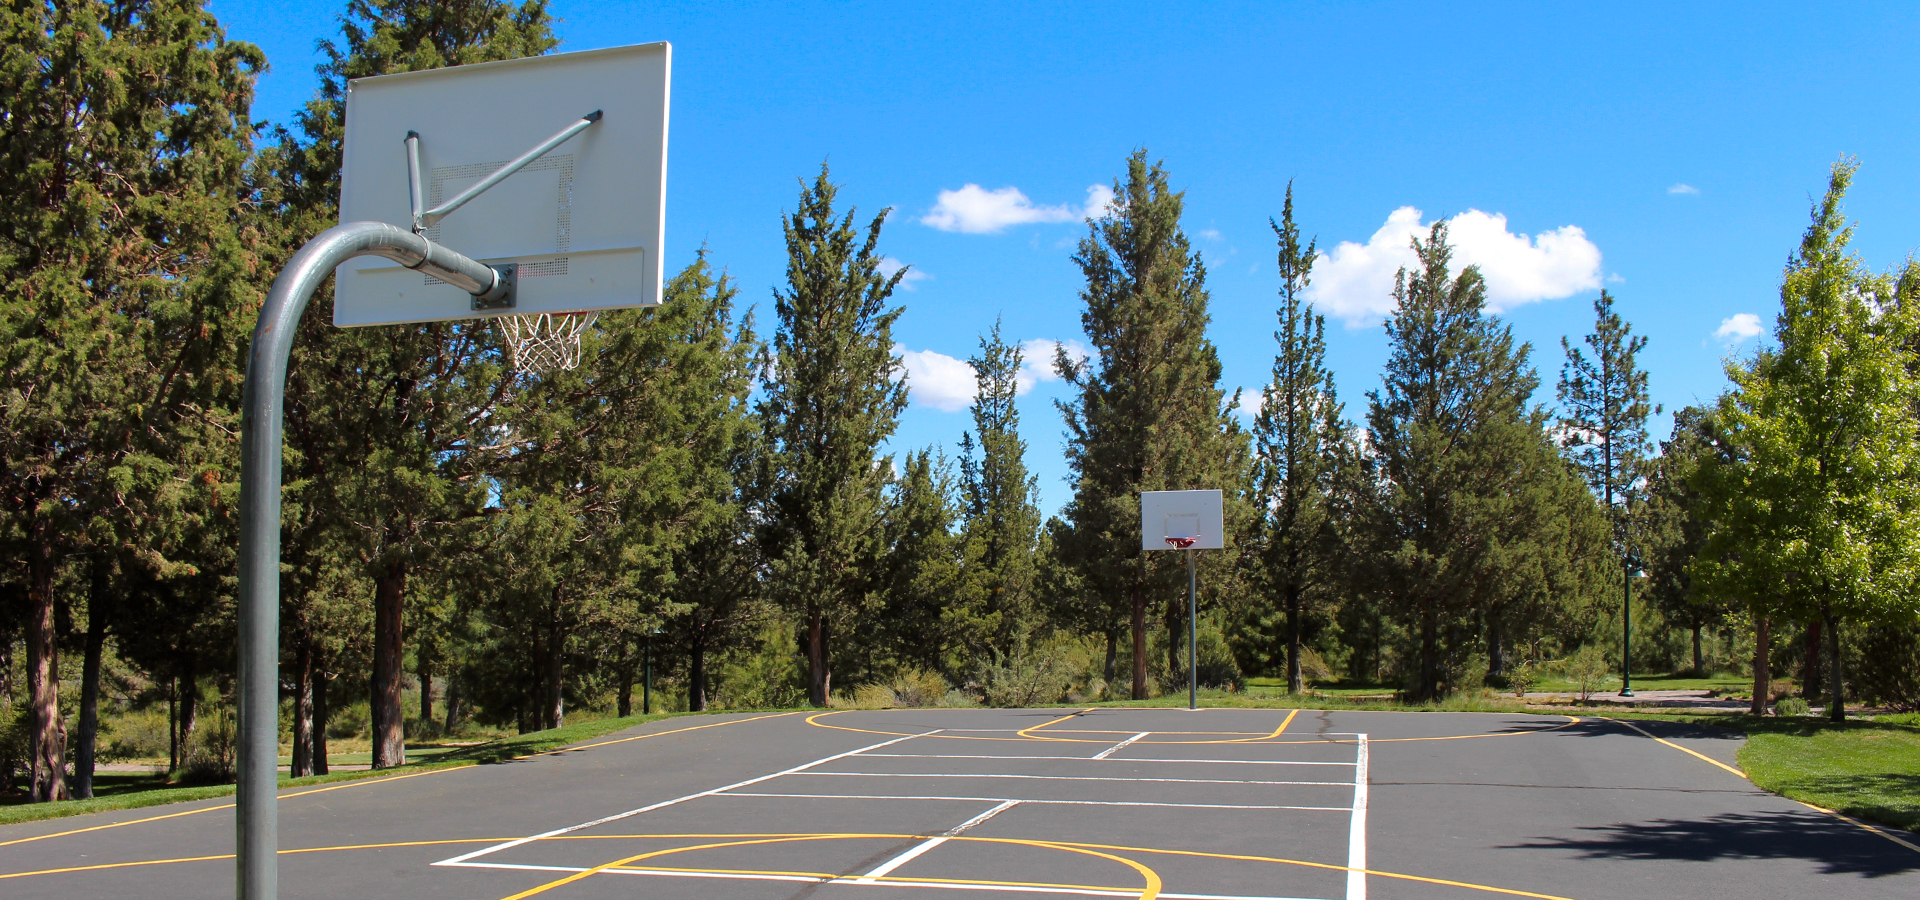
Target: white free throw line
<point x="1222" y="762"/>
<point x="850" y="879"/>
<point x="666" y="803"/>
<point x="1057" y="777"/>
<point x="1109" y="751"/>
<point x="1357" y="828"/>
<point x="1031" y="800"/>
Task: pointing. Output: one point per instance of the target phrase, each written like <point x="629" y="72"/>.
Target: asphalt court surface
<point x="1223" y="804"/>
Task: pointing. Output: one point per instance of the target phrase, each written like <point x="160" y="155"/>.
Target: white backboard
<point x="1182" y="514"/>
<point x="584" y="223"/>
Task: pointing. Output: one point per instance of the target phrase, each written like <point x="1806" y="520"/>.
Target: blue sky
<point x="1669" y="156"/>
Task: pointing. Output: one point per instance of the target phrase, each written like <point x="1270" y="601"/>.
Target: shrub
<point x="210" y="754"/>
<point x="1024" y="679"/>
<point x="347" y="721"/>
<point x="918" y="687"/>
<point x="1522" y="677"/>
<point x="1589" y="672"/>
<point x="1883" y="665"/>
<point x="137" y="735"/>
<point x="1791" y="706"/>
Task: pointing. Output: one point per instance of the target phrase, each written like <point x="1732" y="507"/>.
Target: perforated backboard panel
<point x="584" y="223"/>
<point x="1197" y="516"/>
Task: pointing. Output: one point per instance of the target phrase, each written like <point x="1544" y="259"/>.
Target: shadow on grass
<point x="1836" y="847"/>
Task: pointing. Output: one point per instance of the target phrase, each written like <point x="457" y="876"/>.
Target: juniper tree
<point x="1000" y="501"/>
<point x="1147" y="412"/>
<point x="1300" y="446"/>
<point x="926" y="615"/>
<point x="831" y="398"/>
<point x="125" y="127"/>
<point x="1673" y="525"/>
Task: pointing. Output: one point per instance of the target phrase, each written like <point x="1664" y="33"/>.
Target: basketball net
<point x="1182" y="543"/>
<point x="545" y="342"/>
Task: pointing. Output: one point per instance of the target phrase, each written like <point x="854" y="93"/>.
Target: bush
<point x="1587" y="668"/>
<point x="918" y="687"/>
<point x="1521" y="678"/>
<point x="1883" y="665"/>
<point x="210" y="754"/>
<point x="1024" y="679"/>
<point x="867" y="696"/>
<point x="1791" y="706"/>
<point x="137" y="735"/>
<point x="347" y="721"/>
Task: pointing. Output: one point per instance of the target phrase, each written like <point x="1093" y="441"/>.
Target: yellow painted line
<point x="1028" y="732"/>
<point x="814" y="720"/>
<point x="1570" y="722"/>
<point x="364" y="782"/>
<point x="120" y="865"/>
<point x="1419" y="878"/>
<point x="1265" y="737"/>
<point x="1834" y="813"/>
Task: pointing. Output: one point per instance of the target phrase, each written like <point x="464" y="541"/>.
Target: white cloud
<point x="888" y="265"/>
<point x="936" y="379"/>
<point x="1683" y="189"/>
<point x="975" y="210"/>
<point x="947" y="384"/>
<point x="1737" y="329"/>
<point x="1355" y="281"/>
<point x="1212" y="234"/>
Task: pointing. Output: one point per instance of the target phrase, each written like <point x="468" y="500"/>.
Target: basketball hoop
<point x="1182" y="543"/>
<point x="545" y="342"/>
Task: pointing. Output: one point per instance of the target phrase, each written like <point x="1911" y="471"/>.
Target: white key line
<point x="1109" y="751"/>
<point x="881" y="870"/>
<point x="1357" y="828"/>
<point x="849" y="879"/>
<point x="1032" y="800"/>
<point x="963" y="826"/>
<point x="1059" y="778"/>
<point x="1224" y="762"/>
<point x="666" y="803"/>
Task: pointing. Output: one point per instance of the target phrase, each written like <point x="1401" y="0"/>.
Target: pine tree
<point x="1605" y="428"/>
<point x="1001" y="505"/>
<point x="1673" y="525"/>
<point x="125" y="130"/>
<point x="831" y="399"/>
<point x="925" y="615"/>
<point x="1819" y="508"/>
<point x="1148" y="412"/>
<point x="1300" y="448"/>
<point x="381" y="417"/>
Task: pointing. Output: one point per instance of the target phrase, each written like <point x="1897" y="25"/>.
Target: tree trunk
<point x="173" y="725"/>
<point x="1139" y="643"/>
<point x="189" y="704"/>
<point x="1837" y="702"/>
<point x="1810" y="687"/>
<point x="83" y="756"/>
<point x="320" y="713"/>
<point x="453" y="703"/>
<point x="1295" y="684"/>
<point x="424" y="663"/>
<point x="1699" y="665"/>
<point x="1762" y="679"/>
<point x="47" y="742"/>
<point x="389" y="720"/>
<point x="697" y="675"/>
<point x="623" y="699"/>
<point x="819" y="679"/>
<point x="1113" y="657"/>
<point x="1496" y="646"/>
<point x="302" y="708"/>
<point x="1429" y="687"/>
<point x="554" y="711"/>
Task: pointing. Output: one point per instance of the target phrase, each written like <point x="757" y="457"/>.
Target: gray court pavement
<point x="1041" y="803"/>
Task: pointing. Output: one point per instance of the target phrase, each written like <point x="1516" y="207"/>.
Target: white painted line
<point x="1222" y="762"/>
<point x="1058" y="778"/>
<point x="1357" y="828"/>
<point x="666" y="803"/>
<point x="881" y="870"/>
<point x="1031" y="800"/>
<point x="1109" y="751"/>
<point x="848" y="879"/>
<point x="963" y="826"/>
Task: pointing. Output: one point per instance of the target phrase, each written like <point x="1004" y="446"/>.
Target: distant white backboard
<point x="1193" y="520"/>
<point x="584" y="223"/>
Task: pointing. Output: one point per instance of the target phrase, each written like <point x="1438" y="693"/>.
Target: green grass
<point x="118" y="790"/>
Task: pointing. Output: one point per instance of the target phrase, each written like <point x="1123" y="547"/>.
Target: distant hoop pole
<point x="260" y="448"/>
<point x="1193" y="632"/>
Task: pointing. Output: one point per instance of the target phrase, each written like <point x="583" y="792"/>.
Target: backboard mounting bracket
<point x="505" y="286"/>
<point x="424" y="219"/>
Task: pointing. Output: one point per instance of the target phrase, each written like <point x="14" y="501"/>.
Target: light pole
<point x="646" y="679"/>
<point x="1627" y="572"/>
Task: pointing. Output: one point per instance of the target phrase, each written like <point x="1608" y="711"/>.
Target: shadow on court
<point x="1835" y="847"/>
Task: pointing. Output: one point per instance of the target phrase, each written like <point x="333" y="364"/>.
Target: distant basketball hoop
<point x="1183" y="543"/>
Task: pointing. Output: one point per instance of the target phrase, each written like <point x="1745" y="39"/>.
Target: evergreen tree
<point x="831" y="399"/>
<point x="1605" y="429"/>
<point x="385" y="420"/>
<point x="924" y="617"/>
<point x="1001" y="507"/>
<point x="1674" y="527"/>
<point x="1820" y="505"/>
<point x="1148" y="412"/>
<point x="1300" y="448"/>
<point x="125" y="130"/>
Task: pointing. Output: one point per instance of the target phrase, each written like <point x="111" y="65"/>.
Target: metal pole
<point x="1626" y="636"/>
<point x="1193" y="642"/>
<point x="646" y="681"/>
<point x="260" y="449"/>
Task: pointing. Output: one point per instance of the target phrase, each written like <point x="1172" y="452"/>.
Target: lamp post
<point x="1629" y="569"/>
<point x="646" y="679"/>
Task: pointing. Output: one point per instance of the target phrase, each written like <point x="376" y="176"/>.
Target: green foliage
<point x="1791" y="707"/>
<point x="1885" y="664"/>
<point x="1589" y="671"/>
<point x="995" y="610"/>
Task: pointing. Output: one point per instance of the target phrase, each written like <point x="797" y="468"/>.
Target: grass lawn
<point x="131" y="790"/>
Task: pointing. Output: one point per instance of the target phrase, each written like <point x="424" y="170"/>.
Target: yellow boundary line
<point x="364" y="782"/>
<point x="737" y="840"/>
<point x="1743" y="776"/>
<point x="814" y="720"/>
